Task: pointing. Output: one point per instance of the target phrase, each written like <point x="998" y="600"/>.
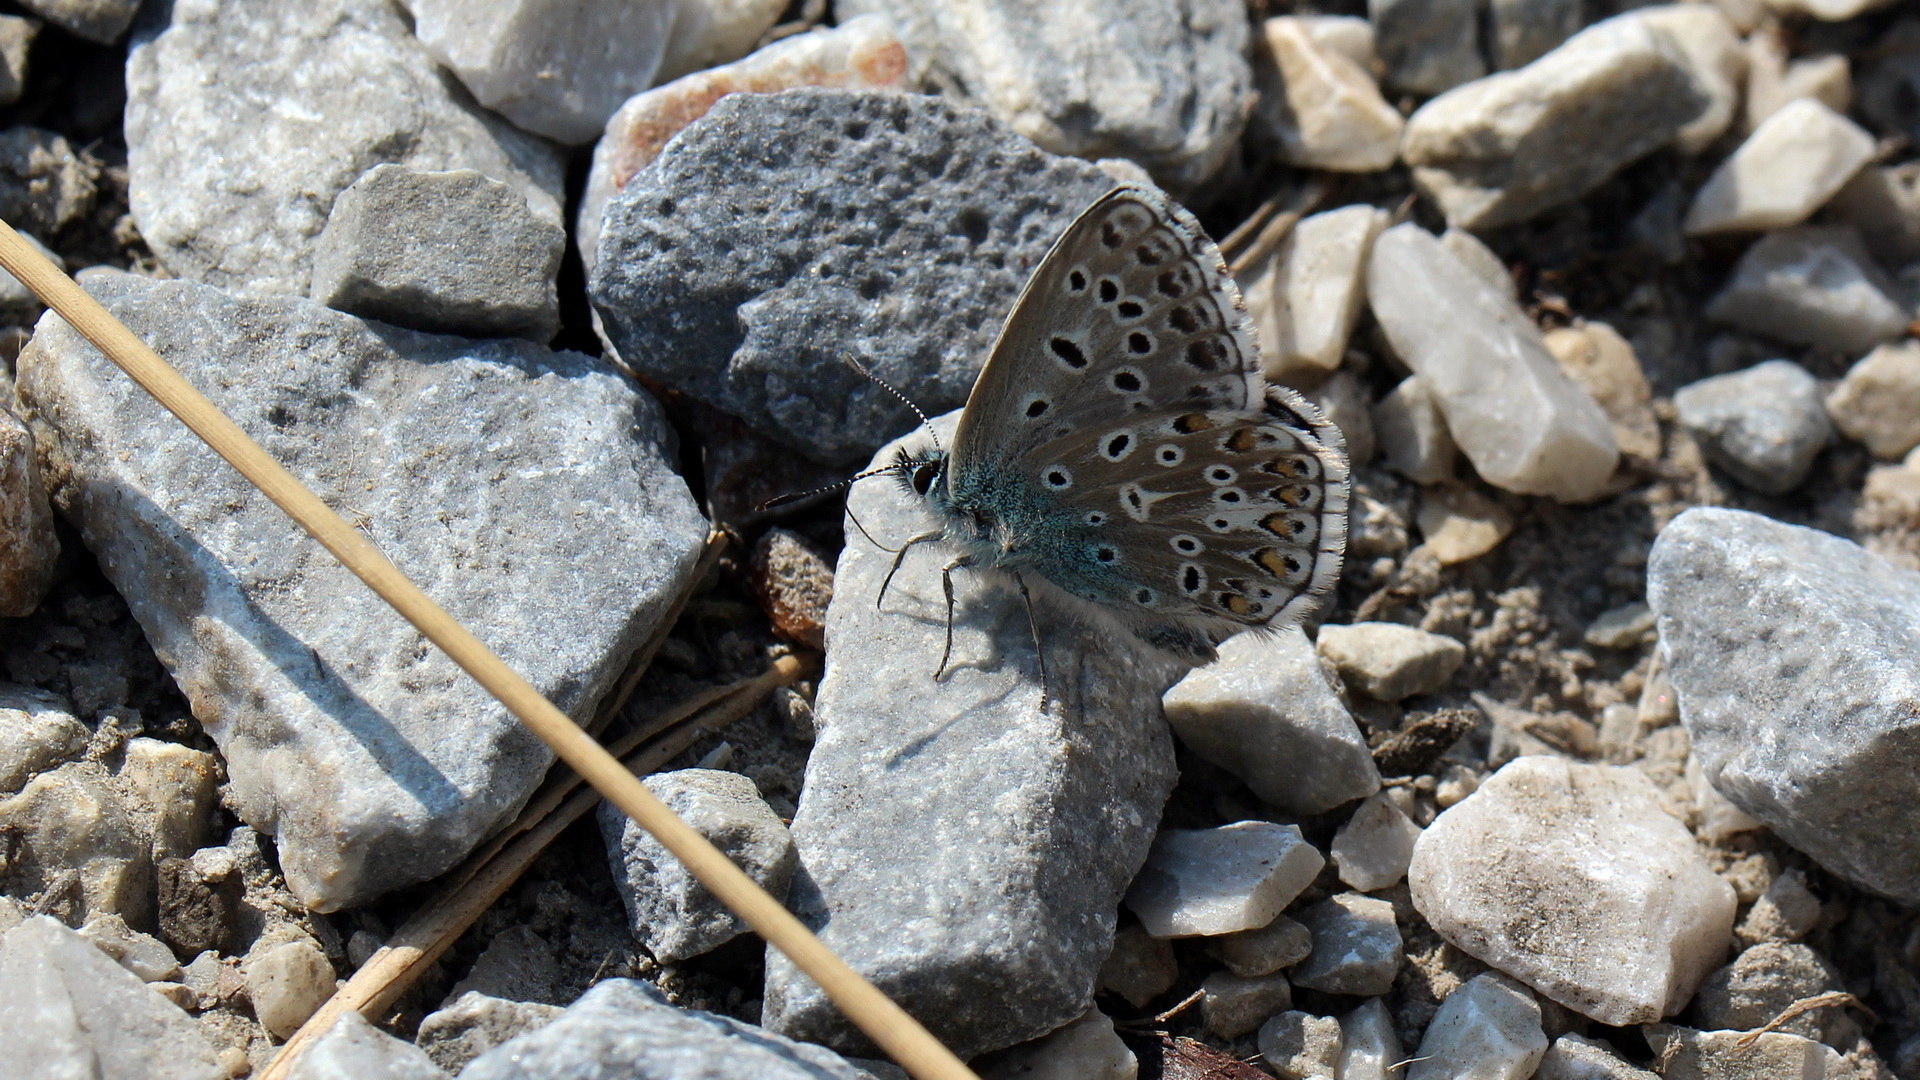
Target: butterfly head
<point x="924" y="474"/>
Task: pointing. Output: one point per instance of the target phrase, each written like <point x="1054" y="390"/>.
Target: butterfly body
<point x="1121" y="445"/>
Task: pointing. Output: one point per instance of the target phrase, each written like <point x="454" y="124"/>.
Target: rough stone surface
<point x="1370" y="1047"/>
<point x="1264" y="950"/>
<point x="1320" y="108"/>
<point x="1267" y="712"/>
<point x="302" y="97"/>
<point x="1141" y="967"/>
<point x="1356" y="946"/>
<point x="446" y="252"/>
<point x="1812" y="286"/>
<point x="1710" y="45"/>
<point x="1217" y="881"/>
<point x="1878" y="403"/>
<point x="1388" y="661"/>
<point x="1761" y="984"/>
<point x="1730" y="1055"/>
<point x="1029" y="823"/>
<point x="1573" y="1057"/>
<point x="1492" y="152"/>
<point x="1792" y="163"/>
<point x="1373" y="848"/>
<point x="1301" y="1046"/>
<point x="1616" y="914"/>
<point x="75" y="819"/>
<point x="1305" y="300"/>
<point x="1790" y="652"/>
<point x="1522" y="423"/>
<point x="142" y="954"/>
<point x="626" y="1029"/>
<point x="1764" y="425"/>
<point x="70" y="1011"/>
<point x="902" y="248"/>
<point x="373" y="760"/>
<point x="45" y="185"/>
<point x="1775" y="78"/>
<point x="1412" y="433"/>
<point x="353" y="1049"/>
<point x="1234" y="1005"/>
<point x="1594" y="355"/>
<point x="16" y="300"/>
<point x="37" y="733"/>
<point x="170" y="790"/>
<point x="475" y="1023"/>
<point x="673" y="915"/>
<point x="1162" y="84"/>
<point x="101" y="21"/>
<point x="1489" y="1029"/>
<point x="1086" y="1049"/>
<point x="1428" y="46"/>
<point x="861" y="53"/>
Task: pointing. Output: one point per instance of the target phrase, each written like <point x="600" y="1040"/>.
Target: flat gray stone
<point x="895" y="230"/>
<point x="1267" y="712"/>
<point x="1488" y="1029"/>
<point x="475" y="1023"/>
<point x="1791" y="652"/>
<point x="70" y="1011"/>
<point x="1812" y="286"/>
<point x="1427" y="45"/>
<point x="1301" y="1046"/>
<point x="1388" y="661"/>
<point x="672" y="914"/>
<point x="1764" y="425"/>
<point x="101" y="21"/>
<point x="1162" y="84"/>
<point x="446" y="252"/>
<point x="301" y="97"/>
<point x="1206" y="882"/>
<point x="528" y="491"/>
<point x="624" y="1030"/>
<point x="1356" y="946"/>
<point x="959" y="846"/>
<point x="353" y="1049"/>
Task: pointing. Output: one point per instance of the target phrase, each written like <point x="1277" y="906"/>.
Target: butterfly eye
<point x="924" y="478"/>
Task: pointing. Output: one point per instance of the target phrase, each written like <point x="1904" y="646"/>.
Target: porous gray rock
<point x="1020" y="826"/>
<point x="886" y="229"/>
<point x="353" y="1049"/>
<point x="69" y="1010"/>
<point x="1764" y="425"/>
<point x="1791" y="653"/>
<point x="672" y="914"/>
<point x="101" y="21"/>
<point x="1427" y="46"/>
<point x="446" y="252"/>
<point x="626" y="1029"/>
<point x="1166" y="85"/>
<point x="1356" y="946"/>
<point x="302" y="97"/>
<point x="1267" y="712"/>
<point x="371" y="758"/>
<point x="1813" y="286"/>
<point x="1493" y="152"/>
<point x="1573" y="879"/>
<point x="29" y="550"/>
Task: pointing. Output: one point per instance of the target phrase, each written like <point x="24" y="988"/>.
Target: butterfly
<point x="1121" y="446"/>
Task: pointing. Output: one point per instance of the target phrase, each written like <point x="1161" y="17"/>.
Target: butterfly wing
<point x="1130" y="313"/>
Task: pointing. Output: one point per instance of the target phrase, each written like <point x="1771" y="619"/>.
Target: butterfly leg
<point x="1039" y="650"/>
<point x="946" y="586"/>
<point x="899" y="557"/>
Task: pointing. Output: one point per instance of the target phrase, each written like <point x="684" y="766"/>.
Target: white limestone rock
<point x="1878" y="403"/>
<point x="1617" y="914"/>
<point x="1200" y="882"/>
<point x="1318" y="106"/>
<point x="1306" y="298"/>
<point x="1372" y="850"/>
<point x="1814" y="285"/>
<point x="37" y="733"/>
<point x="1788" y="168"/>
<point x="75" y="819"/>
<point x="1594" y="355"/>
<point x="1523" y="424"/>
<point x="1574" y="1057"/>
<point x="1412" y="435"/>
<point x="287" y="980"/>
<point x="353" y="1049"/>
<point x="1267" y="712"/>
<point x="1389" y="661"/>
<point x="1488" y="1029"/>
<point x="1710" y="44"/>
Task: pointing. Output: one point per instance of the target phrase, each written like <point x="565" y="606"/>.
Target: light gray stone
<point x="1775" y="77"/>
<point x="446" y="252"/>
<point x="1790" y="652"/>
<point x="1141" y="967"/>
<point x="45" y="185"/>
<point x="1763" y="425"/>
<point x="1488" y="1029"/>
<point x="70" y="831"/>
<point x="70" y="1011"/>
<point x="1427" y="45"/>
<point x="1356" y="946"/>
<point x="1511" y="410"/>
<point x="1761" y="984"/>
<point x="1305" y="300"/>
<point x="1373" y="848"/>
<point x="287" y="981"/>
<point x="1493" y="152"/>
<point x="353" y="1049"/>
<point x="1878" y="403"/>
<point x="476" y="1023"/>
<point x="1792" y="164"/>
<point x="902" y="247"/>
<point x="37" y="733"/>
<point x="1617" y="916"/>
<point x="1710" y="45"/>
<point x="101" y="21"/>
<point x="1574" y="1057"/>
<point x="1235" y="1005"/>
<point x="1203" y="882"/>
<point x="1731" y="1055"/>
<point x="301" y="97"/>
<point x="1812" y="286"/>
<point x="673" y="915"/>
<point x="142" y="954"/>
<point x="517" y="965"/>
<point x="16" y="37"/>
<point x="1412" y="435"/>
<point x="1301" y="1046"/>
<point x="1523" y="31"/>
<point x="373" y="760"/>
<point x="1370" y="1046"/>
<point x="1882" y="203"/>
<point x="1344" y="399"/>
<point x="1262" y="950"/>
<point x="1267" y="712"/>
<point x="1167" y="84"/>
<point x="1086" y="1049"/>
<point x="1606" y="366"/>
<point x="1320" y="108"/>
<point x="861" y="53"/>
<point x="622" y="1028"/>
<point x="29" y="549"/>
<point x="1388" y="661"/>
<point x="1021" y="826"/>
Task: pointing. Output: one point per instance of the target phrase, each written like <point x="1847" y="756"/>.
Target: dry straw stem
<point x="473" y="887"/>
<point x="884" y="1022"/>
<point x="1254" y="239"/>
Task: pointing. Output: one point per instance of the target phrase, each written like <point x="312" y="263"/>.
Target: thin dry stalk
<point x="888" y="1025"/>
<point x="1274" y="226"/>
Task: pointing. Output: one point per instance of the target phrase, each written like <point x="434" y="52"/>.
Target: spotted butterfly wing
<point x="1121" y="443"/>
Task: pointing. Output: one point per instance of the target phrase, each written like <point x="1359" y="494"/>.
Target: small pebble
<point x="1814" y="285"/>
<point x="1687" y="1054"/>
<point x="1264" y="950"/>
<point x="1573" y="1057"/>
<point x="1882" y="202"/>
<point x="1302" y="1046"/>
<point x="1763" y="425"/>
<point x="1322" y="109"/>
<point x="1459" y="524"/>
<point x="1488" y="1029"/>
<point x="1594" y="355"/>
<point x="29" y="550"/>
<point x="1141" y="967"/>
<point x="1373" y="848"/>
<point x="1085" y="1049"/>
<point x="793" y="581"/>
<point x="1787" y="911"/>
<point x="1388" y="661"/>
<point x="1216" y="881"/>
<point x="1307" y="297"/>
<point x="1792" y="164"/>
<point x="1878" y="403"/>
<point x="1371" y="1048"/>
<point x="1620" y="628"/>
<point x="1235" y="1005"/>
<point x="1411" y="434"/>
<point x="1356" y="946"/>
<point x="286" y="982"/>
<point x="139" y="953"/>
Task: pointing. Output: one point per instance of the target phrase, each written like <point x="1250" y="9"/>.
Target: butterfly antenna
<point x="796" y="496"/>
<point x="868" y="535"/>
<point x="904" y="399"/>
